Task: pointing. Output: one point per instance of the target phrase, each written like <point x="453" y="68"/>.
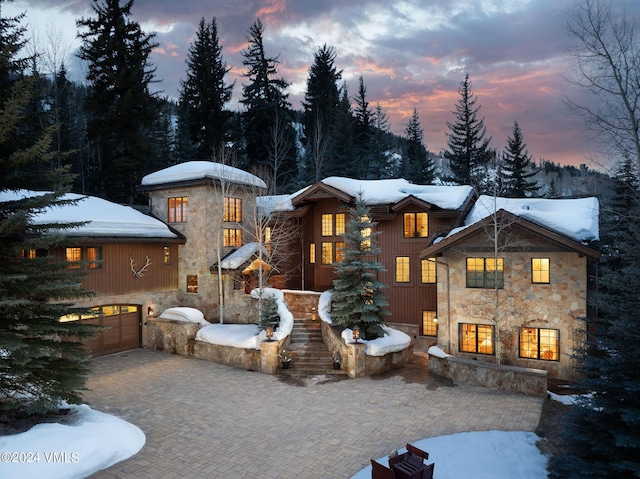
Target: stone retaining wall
<point x="170" y="336"/>
<point x="532" y="382"/>
<point x="248" y="359"/>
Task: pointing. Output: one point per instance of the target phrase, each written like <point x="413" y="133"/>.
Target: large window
<point x="539" y="343"/>
<point x="192" y="283"/>
<point x="403" y="269"/>
<point x="178" y="209"/>
<point x="428" y="270"/>
<point x="89" y="257"/>
<point x="233" y="210"/>
<point x="327" y="225"/>
<point x="540" y="270"/>
<point x="327" y="252"/>
<point x="476" y="338"/>
<point x="416" y="225"/>
<point x="429" y="323"/>
<point x="339" y="251"/>
<point x="340" y="222"/>
<point x="74" y="255"/>
<point x="232" y="237"/>
<point x="312" y="253"/>
<point x="485" y="273"/>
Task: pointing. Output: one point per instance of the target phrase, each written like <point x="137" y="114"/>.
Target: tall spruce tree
<point x="357" y="297"/>
<point x="267" y="121"/>
<point x="41" y="366"/>
<point x="122" y="110"/>
<point x="517" y="168"/>
<point x="344" y="161"/>
<point x="381" y="158"/>
<point x="363" y="134"/>
<point x="204" y="94"/>
<point x="468" y="149"/>
<point x="417" y="167"/>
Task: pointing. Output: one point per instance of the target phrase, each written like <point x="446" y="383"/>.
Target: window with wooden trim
<point x="429" y="323"/>
<point x="475" y="338"/>
<point x="312" y="253"/>
<point x="166" y="255"/>
<point x="485" y="273"/>
<point x="366" y="235"/>
<point x="232" y="237"/>
<point x="88" y="257"/>
<point x="93" y="257"/>
<point x="267" y="239"/>
<point x="340" y="223"/>
<point x="178" y="209"/>
<point x="339" y="251"/>
<point x="540" y="270"/>
<point x="540" y="343"/>
<point x="326" y="227"/>
<point x="416" y="225"/>
<point x="74" y="255"/>
<point x="428" y="270"/>
<point x="192" y="283"/>
<point x="232" y="209"/>
<point x="326" y="252"/>
<point x="403" y="269"/>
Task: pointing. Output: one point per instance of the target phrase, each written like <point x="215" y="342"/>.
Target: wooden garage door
<point x="124" y="333"/>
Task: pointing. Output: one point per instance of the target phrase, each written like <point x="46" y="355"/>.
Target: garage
<point x="124" y="333"/>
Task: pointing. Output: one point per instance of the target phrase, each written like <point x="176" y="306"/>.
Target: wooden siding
<point x="116" y="276"/>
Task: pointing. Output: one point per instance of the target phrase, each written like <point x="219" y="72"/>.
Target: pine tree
<point x="205" y="94"/>
<point x="363" y="133"/>
<point x="344" y="161"/>
<point x="357" y="297"/>
<point x="383" y="167"/>
<point x="517" y="168"/>
<point x="417" y="167"/>
<point x="269" y="315"/>
<point x="122" y="110"/>
<point x="468" y="149"/>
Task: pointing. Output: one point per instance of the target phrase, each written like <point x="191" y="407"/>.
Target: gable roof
<point x="240" y="257"/>
<point x="102" y="218"/>
<point x="191" y="171"/>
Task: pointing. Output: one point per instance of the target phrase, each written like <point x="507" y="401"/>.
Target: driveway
<point x="204" y="419"/>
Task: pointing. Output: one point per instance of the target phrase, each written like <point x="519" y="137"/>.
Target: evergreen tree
<point x="122" y="110"/>
<point x="417" y="167"/>
<point x="267" y="121"/>
<point x="363" y="134"/>
<point x="383" y="167"/>
<point x="344" y="161"/>
<point x="269" y="315"/>
<point x="357" y="297"/>
<point x="517" y="168"/>
<point x="321" y="104"/>
<point x="468" y="149"/>
<point x="205" y="94"/>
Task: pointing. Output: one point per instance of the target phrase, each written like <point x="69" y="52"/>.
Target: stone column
<point x="269" y="356"/>
<point x="356" y="364"/>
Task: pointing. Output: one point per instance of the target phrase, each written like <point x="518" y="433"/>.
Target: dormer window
<point x="416" y="225"/>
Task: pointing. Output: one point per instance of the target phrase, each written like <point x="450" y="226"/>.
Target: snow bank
<point x="437" y="352"/>
<point x="393" y="341"/>
<point x="94" y="441"/>
<point x="190" y="315"/>
<point x="196" y="170"/>
<point x="286" y="317"/>
<point x="324" y="307"/>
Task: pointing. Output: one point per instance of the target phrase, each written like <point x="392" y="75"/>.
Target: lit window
<point x="192" y="283"/>
<point x="312" y="253"/>
<point x="94" y="257"/>
<point x="340" y="222"/>
<point x="29" y="253"/>
<point x="232" y="210"/>
<point x="366" y="234"/>
<point x="403" y="269"/>
<point x="327" y="225"/>
<point x="74" y="255"/>
<point x="327" y="253"/>
<point x="428" y="270"/>
<point x="232" y="237"/>
<point x="339" y="251"/>
<point x="539" y="343"/>
<point x="416" y="225"/>
<point x="476" y="338"/>
<point x="267" y="239"/>
<point x="429" y="323"/>
<point x="178" y="209"/>
<point x="485" y="273"/>
<point x="166" y="255"/>
<point x="540" y="270"/>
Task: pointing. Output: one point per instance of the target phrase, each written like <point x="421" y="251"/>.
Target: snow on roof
<point x="240" y="256"/>
<point x="196" y="170"/>
<point x="574" y="218"/>
<point x="104" y="218"/>
<point x="379" y="192"/>
<point x="270" y="203"/>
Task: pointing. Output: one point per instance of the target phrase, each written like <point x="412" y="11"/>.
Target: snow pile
<point x="240" y="256"/>
<point x="380" y="192"/>
<point x="197" y="170"/>
<point x="189" y="315"/>
<point x="437" y="352"/>
<point x="248" y="336"/>
<point x="492" y="454"/>
<point x="102" y="218"/>
<point x="94" y="441"/>
<point x="575" y="218"/>
<point x="324" y="306"/>
<point x="269" y="204"/>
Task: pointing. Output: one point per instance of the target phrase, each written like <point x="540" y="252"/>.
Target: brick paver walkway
<point x="206" y="420"/>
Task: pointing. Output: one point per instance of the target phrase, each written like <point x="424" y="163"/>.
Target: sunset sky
<point x="409" y="52"/>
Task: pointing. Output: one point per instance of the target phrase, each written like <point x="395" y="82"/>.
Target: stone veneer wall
<point x="532" y="382"/>
<point x="559" y="305"/>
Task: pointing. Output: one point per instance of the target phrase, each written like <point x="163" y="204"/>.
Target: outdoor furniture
<point x="409" y="465"/>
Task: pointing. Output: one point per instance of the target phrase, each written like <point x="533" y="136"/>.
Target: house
<point x="128" y="259"/>
<point x="515" y="280"/>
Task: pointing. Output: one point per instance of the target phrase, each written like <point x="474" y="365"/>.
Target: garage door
<point x="124" y="333"/>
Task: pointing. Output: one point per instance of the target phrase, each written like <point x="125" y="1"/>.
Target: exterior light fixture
<point x="150" y="312"/>
<point x="435" y="320"/>
<point x="356" y="333"/>
<point x="269" y="332"/>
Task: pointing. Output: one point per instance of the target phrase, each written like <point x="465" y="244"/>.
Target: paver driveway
<point x="206" y="420"/>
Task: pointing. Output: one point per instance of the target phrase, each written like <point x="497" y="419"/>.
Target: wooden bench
<point x="409" y="465"/>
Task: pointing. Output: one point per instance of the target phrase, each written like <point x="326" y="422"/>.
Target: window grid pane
<point x="327" y="253"/>
<point x="428" y="270"/>
<point x="409" y="225"/>
<point x="339" y="251"/>
<point x="540" y="270"/>
<point x="539" y="343"/>
<point x="422" y="225"/>
<point x="340" y="222"/>
<point x="312" y="253"/>
<point x="94" y="257"/>
<point x="232" y="237"/>
<point x="429" y="325"/>
<point x="192" y="283"/>
<point x="327" y="225"/>
<point x="476" y="338"/>
<point x="178" y="208"/>
<point x="485" y="339"/>
<point x="232" y="210"/>
<point x="403" y="269"/>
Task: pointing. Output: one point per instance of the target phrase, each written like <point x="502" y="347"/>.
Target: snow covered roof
<point x="380" y="192"/>
<point x="270" y="203"/>
<point x="577" y="219"/>
<point x="104" y="218"/>
<point x="197" y="170"/>
<point x="237" y="258"/>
